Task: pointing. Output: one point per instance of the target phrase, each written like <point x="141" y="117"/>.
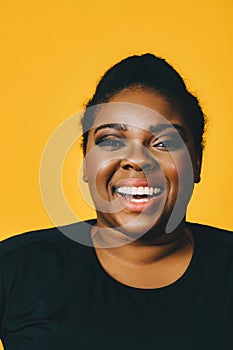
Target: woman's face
<point x="140" y="163"/>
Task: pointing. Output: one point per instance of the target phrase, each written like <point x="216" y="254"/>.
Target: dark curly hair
<point x="153" y="73"/>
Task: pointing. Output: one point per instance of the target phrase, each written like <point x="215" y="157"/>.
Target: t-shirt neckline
<point x="181" y="280"/>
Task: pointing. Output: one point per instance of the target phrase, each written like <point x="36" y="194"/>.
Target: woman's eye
<point x="109" y="144"/>
<point x="171" y="144"/>
<point x="160" y="144"/>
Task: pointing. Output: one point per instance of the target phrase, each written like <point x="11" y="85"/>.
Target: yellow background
<point x="52" y="55"/>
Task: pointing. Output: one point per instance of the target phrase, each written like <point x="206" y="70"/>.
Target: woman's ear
<point x="197" y="170"/>
<point x="85" y="177"/>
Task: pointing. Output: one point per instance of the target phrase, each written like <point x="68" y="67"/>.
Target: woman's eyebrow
<point x="153" y="128"/>
<point x="116" y="126"/>
<point x="161" y="127"/>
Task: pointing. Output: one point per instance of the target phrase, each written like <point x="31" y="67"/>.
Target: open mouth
<point x="141" y="194"/>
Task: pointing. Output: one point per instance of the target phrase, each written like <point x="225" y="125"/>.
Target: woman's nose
<point x="138" y="158"/>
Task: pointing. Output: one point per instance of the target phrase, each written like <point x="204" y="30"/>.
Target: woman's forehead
<point x="124" y="115"/>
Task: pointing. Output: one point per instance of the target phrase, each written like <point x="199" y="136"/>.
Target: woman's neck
<point x="145" y="250"/>
<point x="148" y="266"/>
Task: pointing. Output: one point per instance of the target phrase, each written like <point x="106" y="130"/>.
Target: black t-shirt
<point x="54" y="294"/>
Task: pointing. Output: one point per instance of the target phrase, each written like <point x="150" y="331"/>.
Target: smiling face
<point x="140" y="163"/>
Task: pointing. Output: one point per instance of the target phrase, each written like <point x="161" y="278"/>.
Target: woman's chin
<point x="137" y="228"/>
<point x="128" y="228"/>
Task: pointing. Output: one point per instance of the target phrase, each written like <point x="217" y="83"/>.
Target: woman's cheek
<point x="178" y="171"/>
<point x="99" y="172"/>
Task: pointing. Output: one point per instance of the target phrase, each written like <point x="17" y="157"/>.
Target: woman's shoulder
<point x="46" y="238"/>
<point x="31" y="261"/>
<point x="210" y="233"/>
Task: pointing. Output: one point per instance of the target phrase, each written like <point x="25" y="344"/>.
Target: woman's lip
<point x="133" y="182"/>
<point x="138" y="207"/>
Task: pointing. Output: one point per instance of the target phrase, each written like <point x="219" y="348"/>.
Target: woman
<point x="146" y="279"/>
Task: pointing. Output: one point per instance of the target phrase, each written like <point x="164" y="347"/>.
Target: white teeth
<point x="134" y="190"/>
<point x="140" y="190"/>
<point x="128" y="190"/>
<point x="147" y="190"/>
<point x="141" y="200"/>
